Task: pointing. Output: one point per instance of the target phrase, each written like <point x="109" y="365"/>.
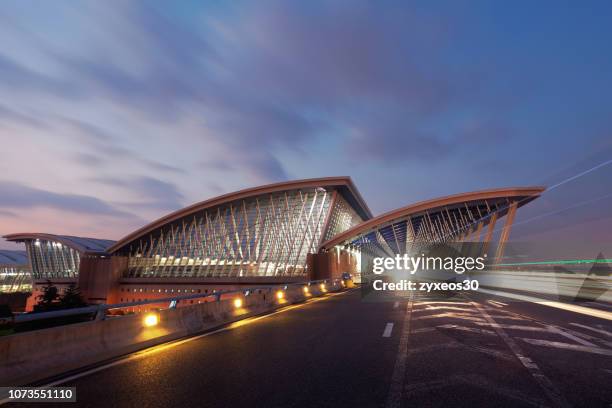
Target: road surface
<point x="341" y="351"/>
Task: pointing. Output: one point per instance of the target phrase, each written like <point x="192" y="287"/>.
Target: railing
<point x="100" y="310"/>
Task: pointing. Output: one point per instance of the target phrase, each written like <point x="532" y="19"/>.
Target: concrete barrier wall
<point x="37" y="355"/>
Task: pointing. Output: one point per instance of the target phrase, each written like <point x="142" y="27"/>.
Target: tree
<point x="49" y="296"/>
<point x="72" y="297"/>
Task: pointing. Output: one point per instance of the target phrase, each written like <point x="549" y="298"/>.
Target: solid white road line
<point x="394" y="399"/>
<point x="565" y="306"/>
<point x="600" y="331"/>
<point x="462" y="316"/>
<point x="459" y="309"/>
<point x="544" y="382"/>
<point x="599" y="304"/>
<point x="570" y="336"/>
<point x="465" y="328"/>
<point x="567" y="346"/>
<point x="388" y="330"/>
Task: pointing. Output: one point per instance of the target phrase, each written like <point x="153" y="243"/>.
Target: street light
<point x="151" y="319"/>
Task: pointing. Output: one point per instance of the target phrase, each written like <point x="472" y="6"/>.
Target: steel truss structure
<point x="464" y="217"/>
<point x="258" y="235"/>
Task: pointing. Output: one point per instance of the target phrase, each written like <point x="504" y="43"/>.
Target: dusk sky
<point x="113" y="114"/>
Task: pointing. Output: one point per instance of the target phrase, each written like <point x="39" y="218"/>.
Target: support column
<point x="478" y="231"/>
<point x="506" y="230"/>
<point x="489" y="234"/>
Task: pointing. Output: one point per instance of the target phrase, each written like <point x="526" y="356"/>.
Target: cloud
<point x="152" y="193"/>
<point x="15" y="117"/>
<point x="6" y="213"/>
<point x="16" y="195"/>
<point x="16" y="77"/>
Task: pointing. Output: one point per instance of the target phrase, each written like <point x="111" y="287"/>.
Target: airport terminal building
<point x="279" y="233"/>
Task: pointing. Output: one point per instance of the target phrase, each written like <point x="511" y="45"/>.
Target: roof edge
<point x="244" y="193"/>
<point x="533" y="192"/>
<point x="22" y="236"/>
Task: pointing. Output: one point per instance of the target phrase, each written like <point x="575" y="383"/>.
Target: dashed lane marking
<point x="394" y="398"/>
<point x="388" y="330"/>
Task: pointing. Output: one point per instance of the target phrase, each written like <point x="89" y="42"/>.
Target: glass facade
<point x="262" y="235"/>
<point x="342" y="218"/>
<point x="52" y="259"/>
<point x="15" y="278"/>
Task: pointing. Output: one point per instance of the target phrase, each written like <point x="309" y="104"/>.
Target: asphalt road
<point x="342" y="351"/>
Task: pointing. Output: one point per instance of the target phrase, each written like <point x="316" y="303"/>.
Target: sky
<point x="114" y="114"/>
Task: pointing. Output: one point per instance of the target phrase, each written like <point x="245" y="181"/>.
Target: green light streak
<point x="560" y="262"/>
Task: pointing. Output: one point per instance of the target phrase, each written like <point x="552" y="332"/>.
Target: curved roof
<point x="81" y="244"/>
<point x="13" y="257"/>
<point x="344" y="184"/>
<point x="523" y="194"/>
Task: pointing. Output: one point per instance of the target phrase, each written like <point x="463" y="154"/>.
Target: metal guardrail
<point x="100" y="310"/>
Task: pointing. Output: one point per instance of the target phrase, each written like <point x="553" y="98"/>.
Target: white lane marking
<point x="395" y="305"/>
<point x="462" y="316"/>
<point x="570" y="336"/>
<point x="162" y="347"/>
<point x="600" y="331"/>
<point x="506" y="316"/>
<point x="496" y="304"/>
<point x="394" y="398"/>
<point x="442" y="303"/>
<point x="565" y="306"/>
<point x="544" y="382"/>
<point x="424" y="330"/>
<point x="460" y="309"/>
<point x="464" y="328"/>
<point x="388" y="330"/>
<point x="567" y="346"/>
<point x="514" y="327"/>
